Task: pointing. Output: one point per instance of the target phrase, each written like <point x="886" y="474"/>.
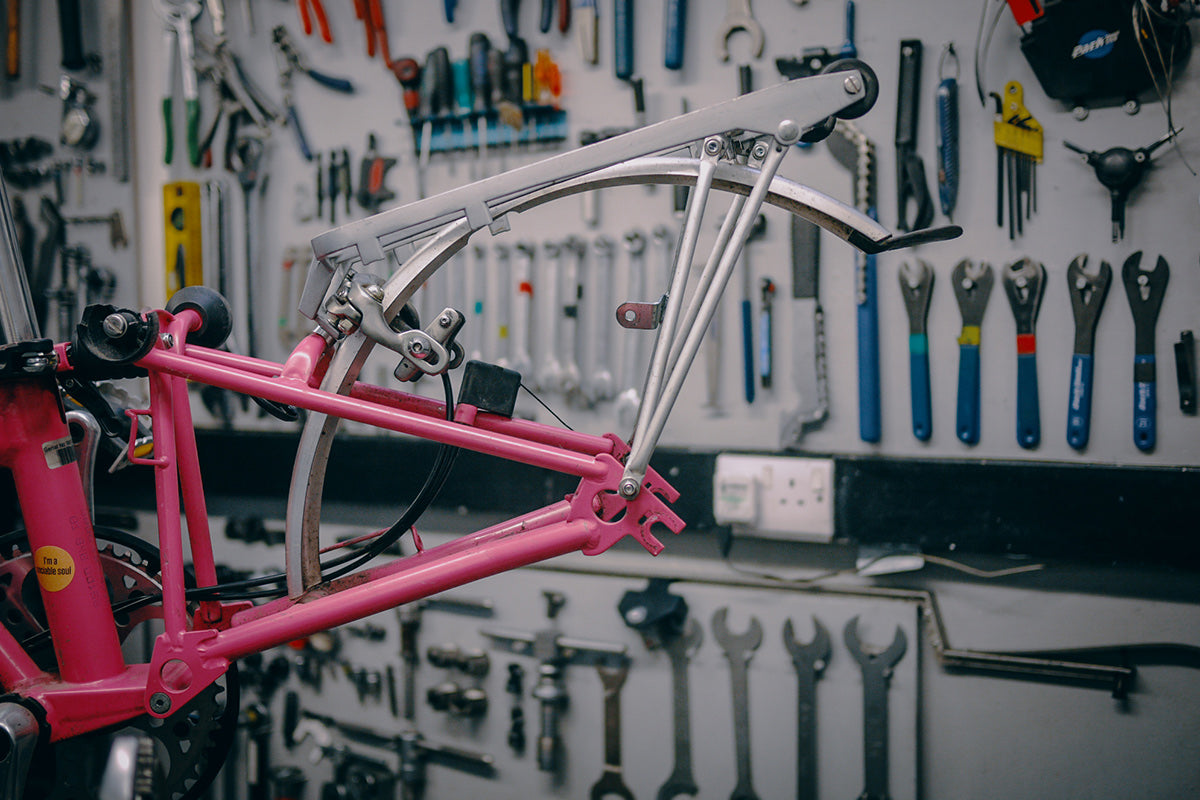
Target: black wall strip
<point x="1096" y="514"/>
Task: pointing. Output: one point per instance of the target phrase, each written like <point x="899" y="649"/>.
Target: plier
<point x="371" y="13"/>
<point x="317" y="10"/>
<point x="177" y="16"/>
<point x="288" y="60"/>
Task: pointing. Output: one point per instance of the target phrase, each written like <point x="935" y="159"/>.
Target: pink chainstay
<point x="188" y="657"/>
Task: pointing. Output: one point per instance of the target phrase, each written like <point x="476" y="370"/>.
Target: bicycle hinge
<point x="358" y="303"/>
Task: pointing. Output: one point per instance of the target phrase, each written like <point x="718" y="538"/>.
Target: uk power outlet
<point x="777" y="497"/>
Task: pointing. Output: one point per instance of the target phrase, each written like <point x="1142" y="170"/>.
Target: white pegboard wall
<point x="1072" y="215"/>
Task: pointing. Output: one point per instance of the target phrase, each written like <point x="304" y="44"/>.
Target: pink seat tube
<point x="35" y="444"/>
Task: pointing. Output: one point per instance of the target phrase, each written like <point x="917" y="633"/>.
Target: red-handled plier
<point x="318" y="10"/>
<point x="371" y="13"/>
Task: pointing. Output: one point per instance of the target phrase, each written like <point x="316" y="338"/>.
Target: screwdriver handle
<point x="70" y="30"/>
<point x="676" y="23"/>
<point x="547" y="16"/>
<point x="1144" y="403"/>
<point x="168" y="130"/>
<point x="1079" y="410"/>
<point x="1029" y="424"/>
<point x="748" y="370"/>
<point x="623" y="39"/>
<point x="192" y="118"/>
<point x="918" y="371"/>
<point x="967" y="422"/>
<point x="508" y="14"/>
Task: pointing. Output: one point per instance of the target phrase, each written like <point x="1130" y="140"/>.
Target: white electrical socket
<point x="780" y="497"/>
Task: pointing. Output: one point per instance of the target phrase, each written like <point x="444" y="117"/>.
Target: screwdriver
<point x="480" y="47"/>
<point x="408" y="72"/>
<point x="437" y="95"/>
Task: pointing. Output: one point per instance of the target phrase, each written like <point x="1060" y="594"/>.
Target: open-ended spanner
<point x="739" y="17"/>
<point x="521" y="297"/>
<point x="612" y="783"/>
<point x="600" y="380"/>
<point x="679" y="649"/>
<point x="549" y="372"/>
<point x="810" y="661"/>
<point x="876" y="673"/>
<point x="972" y="285"/>
<point x="1087" y="299"/>
<point x="630" y="396"/>
<point x="1145" y="289"/>
<point x="916" y="287"/>
<point x="1024" y="283"/>
<point x="570" y="381"/>
<point x="739" y="649"/>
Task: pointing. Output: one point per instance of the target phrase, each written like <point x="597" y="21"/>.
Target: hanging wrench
<point x="549" y="373"/>
<point x="739" y="17"/>
<point x="876" y="671"/>
<point x="739" y="649"/>
<point x="611" y="783"/>
<point x="600" y="382"/>
<point x="1024" y="283"/>
<point x="679" y="650"/>
<point x="916" y="287"/>
<point x="1145" y="289"/>
<point x="571" y="382"/>
<point x="972" y="286"/>
<point x="810" y="660"/>
<point x="477" y="299"/>
<point x="499" y="301"/>
<point x="521" y="294"/>
<point x="1087" y="299"/>
<point x="631" y="360"/>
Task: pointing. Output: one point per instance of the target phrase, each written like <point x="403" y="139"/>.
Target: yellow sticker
<point x="55" y="568"/>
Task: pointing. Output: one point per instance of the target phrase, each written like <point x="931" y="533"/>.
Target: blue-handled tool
<point x="916" y="287"/>
<point x="1145" y="290"/>
<point x="947" y="130"/>
<point x="623" y="39"/>
<point x="972" y="285"/>
<point x="870" y="417"/>
<point x="1025" y="283"/>
<point x="510" y="11"/>
<point x="675" y="21"/>
<point x="450" y="6"/>
<point x="1087" y="299"/>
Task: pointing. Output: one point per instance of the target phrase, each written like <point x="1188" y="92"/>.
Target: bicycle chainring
<point x="190" y="746"/>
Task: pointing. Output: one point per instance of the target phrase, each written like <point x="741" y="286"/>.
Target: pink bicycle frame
<point x="96" y="688"/>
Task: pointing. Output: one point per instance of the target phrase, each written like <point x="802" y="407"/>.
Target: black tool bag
<point x="1084" y="52"/>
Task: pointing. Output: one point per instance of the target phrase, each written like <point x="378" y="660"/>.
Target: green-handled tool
<point x="177" y="19"/>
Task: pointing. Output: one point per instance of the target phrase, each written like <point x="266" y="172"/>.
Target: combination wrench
<point x="571" y="381"/>
<point x="739" y="17"/>
<point x="549" y="372"/>
<point x="680" y="649"/>
<point x="876" y="672"/>
<point x="600" y="382"/>
<point x="630" y="396"/>
<point x="612" y="783"/>
<point x="810" y="661"/>
<point x="521" y="295"/>
<point x="739" y="649"/>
